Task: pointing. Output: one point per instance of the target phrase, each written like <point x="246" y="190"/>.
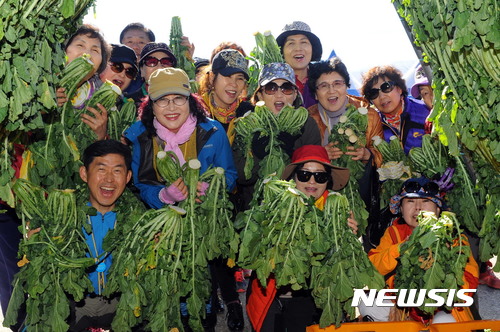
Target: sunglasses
<point x="117" y="67"/>
<point x="319" y="177"/>
<point x="287" y="88"/>
<point x="151" y="61"/>
<point x="430" y="188"/>
<point x="385" y="87"/>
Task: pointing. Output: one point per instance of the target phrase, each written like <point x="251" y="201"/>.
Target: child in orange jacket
<point x="419" y="194"/>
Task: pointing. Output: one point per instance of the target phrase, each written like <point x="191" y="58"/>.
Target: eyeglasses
<point x="385" y="87"/>
<point x="271" y="88"/>
<point x="151" y="61"/>
<point x="178" y="101"/>
<point x="430" y="188"/>
<point x="319" y="177"/>
<point x="336" y="85"/>
<point x="118" y="67"/>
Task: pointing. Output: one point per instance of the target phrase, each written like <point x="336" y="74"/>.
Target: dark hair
<point x="104" y="147"/>
<point x="316" y="69"/>
<point x="140" y="27"/>
<point x="329" y="183"/>
<point x="389" y="72"/>
<point x="93" y="32"/>
<point x="196" y="107"/>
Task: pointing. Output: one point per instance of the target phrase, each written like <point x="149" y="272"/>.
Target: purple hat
<point x="420" y="79"/>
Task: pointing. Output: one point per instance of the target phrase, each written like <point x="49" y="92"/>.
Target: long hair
<point x="205" y="82"/>
<point x="196" y="107"/>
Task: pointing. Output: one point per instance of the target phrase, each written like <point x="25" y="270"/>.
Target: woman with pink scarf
<point x="175" y="120"/>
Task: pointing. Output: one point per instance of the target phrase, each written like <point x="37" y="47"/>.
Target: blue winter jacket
<point x="212" y="147"/>
<point x="101" y="225"/>
<point x="412" y="124"/>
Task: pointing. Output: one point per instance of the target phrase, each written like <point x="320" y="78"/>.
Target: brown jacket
<point x="374" y="125"/>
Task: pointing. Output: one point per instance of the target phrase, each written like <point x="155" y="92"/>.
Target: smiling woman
<point x="174" y="120"/>
<point x="121" y="68"/>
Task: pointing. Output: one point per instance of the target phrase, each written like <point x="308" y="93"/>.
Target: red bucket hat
<point x="318" y="154"/>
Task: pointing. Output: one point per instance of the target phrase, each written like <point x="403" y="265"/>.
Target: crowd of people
<point x="201" y="125"/>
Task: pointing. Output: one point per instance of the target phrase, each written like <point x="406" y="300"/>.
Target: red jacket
<point x="259" y="301"/>
<point x="261" y="298"/>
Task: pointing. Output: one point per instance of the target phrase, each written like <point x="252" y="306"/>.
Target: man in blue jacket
<point x="106" y="170"/>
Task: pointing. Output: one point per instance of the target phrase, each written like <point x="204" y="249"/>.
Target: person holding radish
<point x="88" y="40"/>
<point x="277" y="94"/>
<point x="277" y="89"/>
<point x="417" y="195"/>
<point x="106" y="172"/>
<point x="223" y="87"/>
<point x="175" y="120"/>
<point x="329" y="81"/>
<point x="283" y="309"/>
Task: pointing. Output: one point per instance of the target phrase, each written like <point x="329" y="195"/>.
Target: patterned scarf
<point x="220" y="114"/>
<point x="395" y="120"/>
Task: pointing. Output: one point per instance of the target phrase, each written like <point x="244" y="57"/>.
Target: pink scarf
<point x="173" y="140"/>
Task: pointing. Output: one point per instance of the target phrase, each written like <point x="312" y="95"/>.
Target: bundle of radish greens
<point x="263" y="122"/>
<point x="351" y="132"/>
<point x="460" y="42"/>
<point x="286" y="237"/>
<point x="434" y="257"/>
<point x="162" y="260"/>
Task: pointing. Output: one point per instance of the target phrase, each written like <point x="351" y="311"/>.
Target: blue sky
<point x="364" y="33"/>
